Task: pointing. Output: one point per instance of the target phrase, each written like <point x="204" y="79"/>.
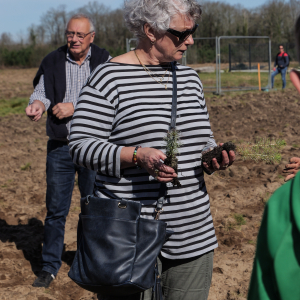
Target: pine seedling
<point x="172" y="144"/>
<point x="266" y="150"/>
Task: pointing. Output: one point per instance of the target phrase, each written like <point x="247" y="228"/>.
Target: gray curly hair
<point x="157" y="13"/>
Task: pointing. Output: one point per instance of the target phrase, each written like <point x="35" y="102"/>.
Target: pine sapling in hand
<point x="173" y="143"/>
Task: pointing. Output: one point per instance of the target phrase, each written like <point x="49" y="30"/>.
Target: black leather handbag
<point x="117" y="249"/>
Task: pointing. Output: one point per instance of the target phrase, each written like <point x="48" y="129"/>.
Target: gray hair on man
<point x="82" y="16"/>
<point x="157" y="13"/>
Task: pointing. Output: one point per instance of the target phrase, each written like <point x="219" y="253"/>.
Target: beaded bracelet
<point x="134" y="156"/>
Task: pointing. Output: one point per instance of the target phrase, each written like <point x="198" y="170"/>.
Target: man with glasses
<point x="57" y="85"/>
<point x="282" y="62"/>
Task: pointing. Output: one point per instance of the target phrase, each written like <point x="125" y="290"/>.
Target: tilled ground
<point x="242" y="189"/>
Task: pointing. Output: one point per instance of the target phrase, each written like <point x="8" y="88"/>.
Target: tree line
<point x="275" y="19"/>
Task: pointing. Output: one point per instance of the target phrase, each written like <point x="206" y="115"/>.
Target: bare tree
<point x="5" y="39"/>
<point x="54" y="24"/>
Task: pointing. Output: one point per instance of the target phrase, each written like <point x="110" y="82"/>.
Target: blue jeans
<point x="60" y="173"/>
<point x="282" y="71"/>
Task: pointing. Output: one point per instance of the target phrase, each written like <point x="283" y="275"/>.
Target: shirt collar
<point x="70" y="59"/>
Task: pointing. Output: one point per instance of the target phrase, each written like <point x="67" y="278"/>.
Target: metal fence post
<point x="229" y="58"/>
<point x="127" y="45"/>
<point x="249" y="56"/>
<point x="270" y="62"/>
<point x="219" y="58"/>
<point x="217" y="72"/>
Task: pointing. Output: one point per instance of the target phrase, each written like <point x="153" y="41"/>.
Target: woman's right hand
<point x="152" y="161"/>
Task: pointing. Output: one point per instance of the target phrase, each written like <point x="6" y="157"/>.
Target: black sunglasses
<point x="183" y="35"/>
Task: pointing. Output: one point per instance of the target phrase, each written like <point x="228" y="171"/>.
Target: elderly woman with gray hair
<point x="119" y="129"/>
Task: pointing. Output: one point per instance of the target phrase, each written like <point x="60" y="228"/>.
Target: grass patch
<point x="239" y="219"/>
<point x="26" y="167"/>
<point x="251" y="242"/>
<point x="13" y="106"/>
<point x="239" y="80"/>
<point x="234" y="221"/>
<point x="295" y="146"/>
<point x="266" y="150"/>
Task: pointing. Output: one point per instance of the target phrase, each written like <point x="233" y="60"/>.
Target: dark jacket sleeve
<point x="286" y="60"/>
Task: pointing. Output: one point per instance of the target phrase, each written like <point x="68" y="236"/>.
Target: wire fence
<point x="230" y="63"/>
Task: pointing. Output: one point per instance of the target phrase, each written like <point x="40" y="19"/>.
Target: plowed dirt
<point x="241" y="190"/>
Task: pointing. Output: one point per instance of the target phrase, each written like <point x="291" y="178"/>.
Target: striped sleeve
<point x="90" y="132"/>
<point x="211" y="143"/>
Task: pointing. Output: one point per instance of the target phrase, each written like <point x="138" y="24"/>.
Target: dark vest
<point x="53" y="67"/>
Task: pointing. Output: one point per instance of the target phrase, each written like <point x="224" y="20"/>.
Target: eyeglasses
<point x="80" y="35"/>
<point x="183" y="35"/>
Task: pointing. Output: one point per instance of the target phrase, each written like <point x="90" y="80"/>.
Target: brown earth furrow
<point x="242" y="189"/>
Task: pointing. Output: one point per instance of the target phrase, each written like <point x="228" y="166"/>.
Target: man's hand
<point x="292" y="168"/>
<point x="63" y="110"/>
<point x="35" y="110"/>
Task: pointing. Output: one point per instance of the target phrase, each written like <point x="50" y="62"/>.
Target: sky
<point x="17" y="15"/>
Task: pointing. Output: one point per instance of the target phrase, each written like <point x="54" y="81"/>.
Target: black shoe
<point x="44" y="279"/>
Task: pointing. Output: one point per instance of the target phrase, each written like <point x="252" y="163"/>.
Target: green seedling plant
<point x="172" y="144"/>
<point x="239" y="219"/>
<point x="26" y="167"/>
<point x="235" y="222"/>
<point x="265" y="150"/>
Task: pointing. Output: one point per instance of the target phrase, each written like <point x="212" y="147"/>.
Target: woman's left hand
<point x="227" y="160"/>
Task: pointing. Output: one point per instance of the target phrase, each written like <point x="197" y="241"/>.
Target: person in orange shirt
<point x="282" y="62"/>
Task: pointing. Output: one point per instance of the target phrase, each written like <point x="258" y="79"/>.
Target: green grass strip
<point x="13" y="106"/>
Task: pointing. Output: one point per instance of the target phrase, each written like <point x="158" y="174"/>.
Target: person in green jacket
<point x="293" y="167"/>
<point x="276" y="269"/>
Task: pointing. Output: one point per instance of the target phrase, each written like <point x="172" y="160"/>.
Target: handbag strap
<point x="174" y="97"/>
<point x="163" y="188"/>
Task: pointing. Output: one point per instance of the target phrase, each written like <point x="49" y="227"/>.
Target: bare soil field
<point x="238" y="195"/>
<point x="16" y="83"/>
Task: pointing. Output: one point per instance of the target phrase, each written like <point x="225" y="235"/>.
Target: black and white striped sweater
<point x="121" y="105"/>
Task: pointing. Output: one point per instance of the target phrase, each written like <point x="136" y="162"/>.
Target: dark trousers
<point x="60" y="172"/>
